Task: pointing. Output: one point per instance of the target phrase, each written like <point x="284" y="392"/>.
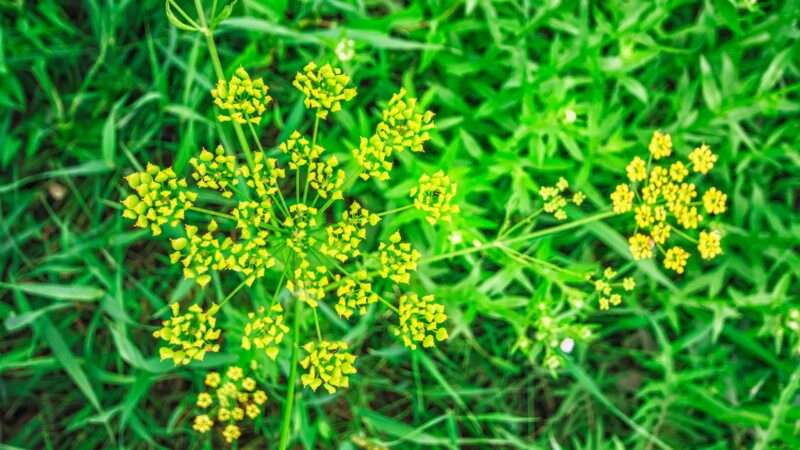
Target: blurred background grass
<point x="92" y="90"/>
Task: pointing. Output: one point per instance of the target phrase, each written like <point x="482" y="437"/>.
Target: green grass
<point x="91" y="91"/>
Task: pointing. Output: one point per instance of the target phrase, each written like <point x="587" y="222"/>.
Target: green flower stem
<point x="233" y="292"/>
<point x="211" y="212"/>
<point x="685" y="236"/>
<point x="394" y="211"/>
<point x="316" y="324"/>
<point x="212" y="50"/>
<point x="229" y="217"/>
<point x="524" y="237"/>
<point x="287" y="411"/>
<point x="521" y="223"/>
<point x="313" y="144"/>
<point x="282" y="204"/>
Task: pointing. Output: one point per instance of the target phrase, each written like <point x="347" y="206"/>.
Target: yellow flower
<point x="609" y="273"/>
<point x="702" y="159"/>
<point x="235" y="373"/>
<point x="204" y="400"/>
<point x="709" y="245"/>
<point x="265" y="332"/>
<point x="641" y="246"/>
<point x="660" y="145"/>
<point x="678" y="171"/>
<point x="659" y="176"/>
<point x="562" y="184"/>
<point x="660" y="232"/>
<point x="160" y="198"/>
<point x="202" y="423"/>
<point x="244" y="100"/>
<point x="248" y="384"/>
<point x="259" y="397"/>
<point x="644" y="216"/>
<point x="628" y="284"/>
<point x="190" y="335"/>
<point x="676" y="259"/>
<point x="687" y="217"/>
<point x="224" y="414"/>
<point x="622" y="198"/>
<point x="637" y="169"/>
<point x="213" y="379"/>
<point x="714" y="201"/>
<point x="602" y="286"/>
<point x="324" y="89"/>
<point x="231" y="433"/>
<point x="434" y="196"/>
<point x="397" y="259"/>
<point x="578" y="198"/>
<point x="253" y="411"/>
<point x="421" y="321"/>
<point x="328" y="364"/>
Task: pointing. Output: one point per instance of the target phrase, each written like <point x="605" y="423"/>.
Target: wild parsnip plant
<point x="257" y="214"/>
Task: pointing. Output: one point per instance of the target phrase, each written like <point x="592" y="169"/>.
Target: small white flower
<point x="456" y="238"/>
<point x="477" y="243"/>
<point x="570" y="116"/>
<point x="567" y="345"/>
<point x="345" y="50"/>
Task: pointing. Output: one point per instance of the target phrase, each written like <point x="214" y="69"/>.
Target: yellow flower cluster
<point x="215" y="171"/>
<point x="401" y="129"/>
<point x="397" y="259"/>
<point x="555" y="198"/>
<point x="421" y="320"/>
<point x="265" y="331"/>
<point x="354" y="293"/>
<point x="328" y="364"/>
<point x="160" y="198"/>
<point x="200" y="252"/>
<point x="345" y="236"/>
<point x="434" y="196"/>
<point x="265" y="176"/>
<point x="664" y="203"/>
<point x="324" y="89"/>
<point x="242" y="99"/>
<point x="607" y="289"/>
<point x="309" y="283"/>
<point x="230" y="399"/>
<point x="190" y="335"/>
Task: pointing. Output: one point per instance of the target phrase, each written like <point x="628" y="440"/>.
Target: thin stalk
<point x="287" y="412"/>
<point x="211" y="212"/>
<point x="313" y="144"/>
<point x="233" y="292"/>
<point x="523" y="237"/>
<point x="394" y="211"/>
<point x="316" y="324"/>
<point x="521" y="223"/>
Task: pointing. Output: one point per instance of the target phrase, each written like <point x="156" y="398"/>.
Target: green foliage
<point x="523" y="95"/>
